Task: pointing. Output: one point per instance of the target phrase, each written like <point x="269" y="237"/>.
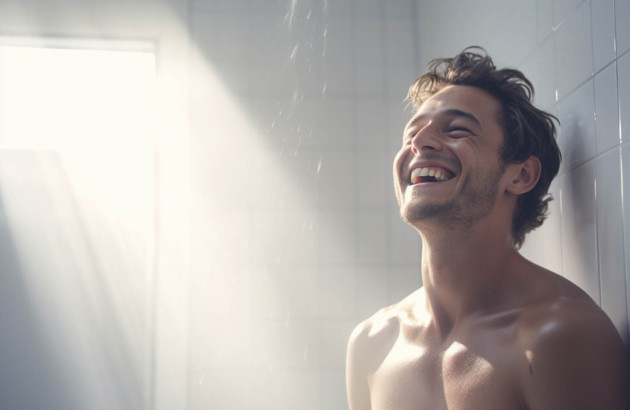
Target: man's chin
<point x="417" y="213"/>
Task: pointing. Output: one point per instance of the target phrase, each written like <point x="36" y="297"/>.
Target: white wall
<point x="295" y="237"/>
<point x="280" y="233"/>
<point x="576" y="54"/>
<point x="295" y="112"/>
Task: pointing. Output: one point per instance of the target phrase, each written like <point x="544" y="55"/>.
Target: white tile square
<point x="400" y="45"/>
<point x="341" y="8"/>
<point x="603" y="26"/>
<point x="623" y="73"/>
<point x="577" y="118"/>
<point x="406" y="245"/>
<point x="368" y="8"/>
<point x="373" y="181"/>
<point x="399" y="112"/>
<point x="274" y="293"/>
<point x="372" y="238"/>
<point x="369" y="41"/>
<point x="402" y="282"/>
<point x="520" y="28"/>
<point x="333" y="390"/>
<point x="268" y="39"/>
<point x="339" y="78"/>
<point x="336" y="239"/>
<point x="371" y="289"/>
<point x="287" y="342"/>
<point x="544" y="75"/>
<point x="272" y="79"/>
<point x="369" y="81"/>
<point x="298" y="389"/>
<point x="371" y="128"/>
<point x="337" y="181"/>
<point x="622" y="16"/>
<point x="399" y="79"/>
<point x="341" y="39"/>
<point x="574" y="50"/>
<point x="544" y="21"/>
<point x="579" y="229"/>
<point x="336" y="126"/>
<point x="610" y="244"/>
<point x="220" y="6"/>
<point x="280" y="237"/>
<point x="563" y="9"/>
<point x="338" y="291"/>
<point x="334" y="340"/>
<point x="606" y="109"/>
<point x="310" y="74"/>
<point x="397" y="9"/>
<point x="210" y="31"/>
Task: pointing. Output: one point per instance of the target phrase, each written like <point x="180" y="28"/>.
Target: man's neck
<point x="466" y="273"/>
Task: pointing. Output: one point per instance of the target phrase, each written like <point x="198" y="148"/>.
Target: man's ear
<point x="524" y="175"/>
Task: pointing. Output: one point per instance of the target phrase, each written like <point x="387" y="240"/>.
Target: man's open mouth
<point x="430" y="174"/>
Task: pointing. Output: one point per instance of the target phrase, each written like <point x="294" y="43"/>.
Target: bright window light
<point x="78" y="135"/>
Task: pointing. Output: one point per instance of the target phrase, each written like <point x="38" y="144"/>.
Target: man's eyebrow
<point x="450" y="112"/>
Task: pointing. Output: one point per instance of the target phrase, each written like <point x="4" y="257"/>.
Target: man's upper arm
<point x="356" y="374"/>
<point x="577" y="362"/>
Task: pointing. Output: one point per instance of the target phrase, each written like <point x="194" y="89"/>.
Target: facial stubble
<point x="475" y="202"/>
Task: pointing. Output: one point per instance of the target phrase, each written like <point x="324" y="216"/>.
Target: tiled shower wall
<point x="576" y="54"/>
<point x="295" y="232"/>
<point x="296" y="115"/>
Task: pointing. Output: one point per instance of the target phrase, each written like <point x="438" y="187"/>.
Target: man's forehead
<point x="461" y="101"/>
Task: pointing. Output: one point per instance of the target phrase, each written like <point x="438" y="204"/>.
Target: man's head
<point x="527" y="131"/>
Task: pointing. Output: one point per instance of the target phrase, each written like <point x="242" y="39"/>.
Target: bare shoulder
<point x="576" y="359"/>
<point x="368" y="346"/>
<point x="374" y="336"/>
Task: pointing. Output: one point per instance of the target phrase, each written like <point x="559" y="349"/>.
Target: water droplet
<point x="294" y="52"/>
<point x="319" y="165"/>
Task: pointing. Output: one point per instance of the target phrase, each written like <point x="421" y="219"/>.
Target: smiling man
<point x="488" y="329"/>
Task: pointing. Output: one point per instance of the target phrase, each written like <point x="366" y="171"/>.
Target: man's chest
<point x="457" y="377"/>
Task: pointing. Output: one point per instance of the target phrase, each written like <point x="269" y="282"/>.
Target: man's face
<point x="448" y="168"/>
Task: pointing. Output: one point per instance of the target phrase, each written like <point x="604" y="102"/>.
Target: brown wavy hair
<point x="527" y="130"/>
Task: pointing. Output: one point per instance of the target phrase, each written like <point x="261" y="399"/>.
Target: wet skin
<point x="489" y="329"/>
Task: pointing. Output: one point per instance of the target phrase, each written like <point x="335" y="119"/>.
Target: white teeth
<point x="418" y="173"/>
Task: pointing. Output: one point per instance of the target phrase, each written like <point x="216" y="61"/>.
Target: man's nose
<point x="425" y="139"/>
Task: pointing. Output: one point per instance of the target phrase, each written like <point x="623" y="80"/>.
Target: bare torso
<point x="474" y="368"/>
<point x="486" y="361"/>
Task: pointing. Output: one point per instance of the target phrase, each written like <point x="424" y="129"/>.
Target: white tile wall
<point x="623" y="84"/>
<point x="579" y="229"/>
<point x="603" y="26"/>
<point x="580" y="76"/>
<point x="610" y="237"/>
<point x="622" y="30"/>
<point x="574" y="53"/>
<point x="308" y="232"/>
<point x="308" y="216"/>
<point x="606" y="109"/>
<point x="577" y="131"/>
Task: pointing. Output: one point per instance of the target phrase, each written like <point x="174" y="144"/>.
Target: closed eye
<point x="458" y="132"/>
